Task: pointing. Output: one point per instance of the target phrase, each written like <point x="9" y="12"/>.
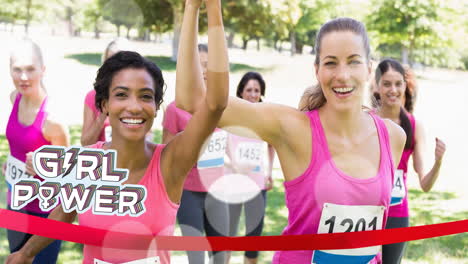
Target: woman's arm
<point x="167" y="136"/>
<point x="271" y="158"/>
<point x="182" y="152"/>
<point x="54" y="132"/>
<point x="37" y="243"/>
<point x="426" y="180"/>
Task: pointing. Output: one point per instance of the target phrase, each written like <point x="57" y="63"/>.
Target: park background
<point x="274" y="37"/>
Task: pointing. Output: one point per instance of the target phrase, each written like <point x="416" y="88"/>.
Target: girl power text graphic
<point x="81" y="178"/>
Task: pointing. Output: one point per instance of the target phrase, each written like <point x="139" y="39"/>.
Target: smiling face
<point x="252" y="91"/>
<point x="343" y="69"/>
<point x="391" y="88"/>
<point x="27" y="71"/>
<point x="131" y="104"/>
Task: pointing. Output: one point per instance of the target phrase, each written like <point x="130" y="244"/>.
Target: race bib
<point x="348" y="218"/>
<point x="152" y="260"/>
<point x="213" y="155"/>
<point x="108" y="133"/>
<point x="399" y="190"/>
<point x="250" y="153"/>
<point x="15" y="171"/>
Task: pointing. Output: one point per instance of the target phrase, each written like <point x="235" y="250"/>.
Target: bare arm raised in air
<point x="186" y="146"/>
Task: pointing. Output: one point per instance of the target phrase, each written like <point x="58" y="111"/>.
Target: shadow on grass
<point x="164" y="62"/>
<point x="426" y="209"/>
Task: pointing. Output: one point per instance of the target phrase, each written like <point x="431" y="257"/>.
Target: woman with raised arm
<point x="29" y="127"/>
<point x="337" y="160"/>
<point x="129" y="88"/>
<point x="395" y="101"/>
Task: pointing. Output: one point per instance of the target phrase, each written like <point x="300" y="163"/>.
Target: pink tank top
<point x="90" y="102"/>
<point x="210" y="165"/>
<point x="326" y="200"/>
<point x="399" y="205"/>
<point x="159" y="219"/>
<point x="248" y="154"/>
<point x="23" y="139"/>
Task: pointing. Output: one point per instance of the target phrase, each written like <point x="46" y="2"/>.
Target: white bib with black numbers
<point x="348" y="218"/>
<point x="399" y="190"/>
<point x="152" y="260"/>
<point x="108" y="133"/>
<point x="15" y="171"/>
<point x="250" y="153"/>
<point x="213" y="155"/>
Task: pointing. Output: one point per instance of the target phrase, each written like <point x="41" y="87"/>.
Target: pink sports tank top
<point x="210" y="165"/>
<point x="89" y="101"/>
<point x="23" y="139"/>
<point x="326" y="200"/>
<point x="399" y="204"/>
<point x="159" y="219"/>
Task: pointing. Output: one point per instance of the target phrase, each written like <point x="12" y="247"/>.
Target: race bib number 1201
<point x="348" y="218"/>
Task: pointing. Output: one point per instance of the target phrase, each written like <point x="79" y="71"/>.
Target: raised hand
<point x="439" y="150"/>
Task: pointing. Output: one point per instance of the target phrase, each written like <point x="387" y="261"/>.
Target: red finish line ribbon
<point x="96" y="237"/>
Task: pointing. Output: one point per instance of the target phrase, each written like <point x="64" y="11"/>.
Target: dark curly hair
<point x="124" y="60"/>
<point x="246" y="78"/>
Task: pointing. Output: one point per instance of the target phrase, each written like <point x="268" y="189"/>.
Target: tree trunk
<point x="128" y="32"/>
<point x="28" y="16"/>
<point x="292" y="38"/>
<point x="404" y="55"/>
<point x="97" y="32"/>
<point x="71" y="31"/>
<point x="178" y="16"/>
<point x="245" y="41"/>
<point x="118" y="30"/>
<point x="230" y="39"/>
<point x="299" y="48"/>
<point x="258" y="43"/>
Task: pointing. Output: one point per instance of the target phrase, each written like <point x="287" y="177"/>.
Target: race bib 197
<point x="15" y="171"/>
<point x="250" y="153"/>
<point x="213" y="156"/>
<point x="348" y="218"/>
<point x="152" y="260"/>
<point x="399" y="190"/>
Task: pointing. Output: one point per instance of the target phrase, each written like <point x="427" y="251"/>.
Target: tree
<point x="157" y="15"/>
<point x="415" y="26"/>
<point x="122" y="13"/>
<point x="93" y="17"/>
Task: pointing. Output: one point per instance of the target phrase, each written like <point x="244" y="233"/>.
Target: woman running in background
<point x="246" y="157"/>
<point x="29" y="127"/>
<point x="395" y="102"/>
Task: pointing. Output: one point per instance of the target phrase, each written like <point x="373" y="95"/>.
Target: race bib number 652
<point x="348" y="218"/>
<point x="213" y="156"/>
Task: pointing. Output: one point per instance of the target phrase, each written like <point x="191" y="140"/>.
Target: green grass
<point x="165" y="63"/>
<point x="426" y="208"/>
